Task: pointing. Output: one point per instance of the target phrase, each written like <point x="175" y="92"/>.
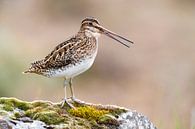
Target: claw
<point x="66" y="102"/>
<point x="72" y="98"/>
<point x="75" y="100"/>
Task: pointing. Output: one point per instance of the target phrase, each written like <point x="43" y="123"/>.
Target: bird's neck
<point x="89" y="40"/>
<point x="89" y="34"/>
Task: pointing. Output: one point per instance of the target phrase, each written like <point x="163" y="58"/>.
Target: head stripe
<point x="90" y="19"/>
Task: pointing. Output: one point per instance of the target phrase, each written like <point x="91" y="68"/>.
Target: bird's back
<point x="78" y="52"/>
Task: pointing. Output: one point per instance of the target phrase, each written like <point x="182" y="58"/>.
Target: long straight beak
<point x="115" y="36"/>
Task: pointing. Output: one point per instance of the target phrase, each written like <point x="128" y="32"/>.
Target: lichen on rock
<point x="87" y="112"/>
<point x="19" y="114"/>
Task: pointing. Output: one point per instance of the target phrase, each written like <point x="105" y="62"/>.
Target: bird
<point x="75" y="55"/>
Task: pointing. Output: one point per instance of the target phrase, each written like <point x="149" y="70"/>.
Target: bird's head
<point x="92" y="27"/>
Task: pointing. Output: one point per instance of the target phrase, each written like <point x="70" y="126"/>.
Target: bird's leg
<point x="65" y="95"/>
<point x="72" y="97"/>
<point x="71" y="90"/>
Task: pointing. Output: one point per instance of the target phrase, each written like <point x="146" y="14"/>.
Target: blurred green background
<point x="155" y="76"/>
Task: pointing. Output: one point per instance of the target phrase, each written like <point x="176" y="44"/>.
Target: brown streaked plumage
<point x="75" y="55"/>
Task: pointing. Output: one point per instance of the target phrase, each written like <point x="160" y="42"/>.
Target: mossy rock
<point x="45" y="114"/>
<point x="89" y="113"/>
<point x="49" y="117"/>
<point x="10" y="103"/>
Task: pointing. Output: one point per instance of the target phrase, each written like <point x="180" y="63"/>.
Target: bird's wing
<point x="62" y="55"/>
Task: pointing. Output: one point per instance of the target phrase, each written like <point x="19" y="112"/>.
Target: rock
<point x="17" y="114"/>
<point x="4" y="124"/>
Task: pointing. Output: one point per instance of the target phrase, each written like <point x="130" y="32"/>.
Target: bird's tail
<point x="35" y="67"/>
<point x="30" y="70"/>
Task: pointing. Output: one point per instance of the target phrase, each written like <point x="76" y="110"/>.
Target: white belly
<point x="74" y="70"/>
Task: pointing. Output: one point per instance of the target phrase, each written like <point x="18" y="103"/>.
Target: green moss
<point x="45" y="112"/>
<point x="49" y="117"/>
<point x="38" y="110"/>
<point x="7" y="108"/>
<point x="117" y="111"/>
<point x="15" y="103"/>
<point x="31" y="112"/>
<point x="108" y="119"/>
<point x="40" y="104"/>
<point x="88" y="112"/>
<point x="50" y="113"/>
<point x="105" y="118"/>
<point x="95" y="125"/>
<point x="3" y="113"/>
<point x="17" y="115"/>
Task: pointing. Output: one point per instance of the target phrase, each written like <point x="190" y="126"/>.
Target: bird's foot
<point x="72" y="98"/>
<point x="67" y="103"/>
<point x="75" y="100"/>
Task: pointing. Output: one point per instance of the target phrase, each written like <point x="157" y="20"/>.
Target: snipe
<point x="75" y="55"/>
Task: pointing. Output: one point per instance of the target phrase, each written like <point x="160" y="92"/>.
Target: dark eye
<point x="90" y="24"/>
